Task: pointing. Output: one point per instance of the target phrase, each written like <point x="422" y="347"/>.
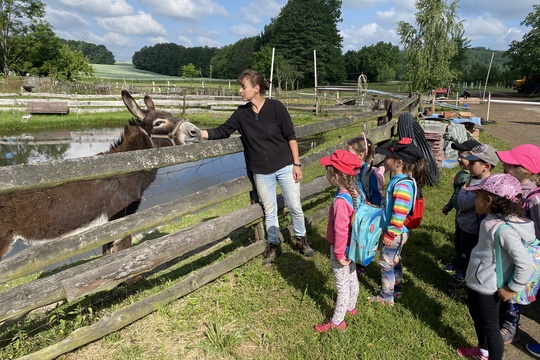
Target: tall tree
<point x="16" y="19"/>
<point x="229" y="61"/>
<point x="41" y="45"/>
<point x="430" y="48"/>
<point x="524" y="55"/>
<point x="379" y="58"/>
<point x="304" y="26"/>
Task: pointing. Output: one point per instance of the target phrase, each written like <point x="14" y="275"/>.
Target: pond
<point x="172" y="182"/>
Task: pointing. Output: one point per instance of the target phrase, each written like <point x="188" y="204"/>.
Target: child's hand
<point x="505" y="293"/>
<point x="345" y="261"/>
<point x="387" y="242"/>
<point x="446" y="209"/>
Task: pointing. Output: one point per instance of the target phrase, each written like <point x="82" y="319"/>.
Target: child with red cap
<point x="522" y="162"/>
<point x="341" y="170"/>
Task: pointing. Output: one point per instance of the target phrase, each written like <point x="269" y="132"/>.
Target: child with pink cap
<point x="499" y="198"/>
<point x="341" y="170"/>
<point x="522" y="162"/>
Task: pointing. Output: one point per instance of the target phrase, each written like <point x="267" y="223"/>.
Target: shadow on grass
<point x="302" y="273"/>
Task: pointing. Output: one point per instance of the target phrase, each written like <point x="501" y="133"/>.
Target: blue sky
<point x="125" y="26"/>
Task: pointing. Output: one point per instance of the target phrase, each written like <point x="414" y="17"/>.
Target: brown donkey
<point x="51" y="213"/>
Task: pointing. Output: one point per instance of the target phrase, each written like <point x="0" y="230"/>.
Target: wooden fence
<point x="107" y="272"/>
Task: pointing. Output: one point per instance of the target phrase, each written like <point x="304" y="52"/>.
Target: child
<point x="522" y="162"/>
<point x="341" y="170"/>
<point x="499" y="198"/>
<point x="369" y="180"/>
<point x="405" y="160"/>
<point x="482" y="159"/>
<point x="459" y="180"/>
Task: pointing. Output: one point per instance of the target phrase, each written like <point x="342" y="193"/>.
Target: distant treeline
<point x="382" y="62"/>
<point x="95" y="54"/>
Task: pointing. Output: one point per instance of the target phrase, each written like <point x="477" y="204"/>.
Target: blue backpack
<point x="366" y="231"/>
<point x="528" y="294"/>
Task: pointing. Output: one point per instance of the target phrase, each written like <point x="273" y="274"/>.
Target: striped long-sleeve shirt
<point x="399" y="199"/>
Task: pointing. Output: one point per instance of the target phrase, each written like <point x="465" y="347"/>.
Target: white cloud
<point x="184" y="41"/>
<point x="186" y="9"/>
<point x="61" y="19"/>
<point x="140" y="24"/>
<point x="490" y="31"/>
<point x="515" y="10"/>
<point x="99" y="7"/>
<point x="244" y="30"/>
<point x="158" y="40"/>
<point x="207" y="41"/>
<point x="260" y="10"/>
<point x="354" y="38"/>
<point x="117" y="39"/>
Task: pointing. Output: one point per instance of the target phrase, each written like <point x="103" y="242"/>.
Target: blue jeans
<point x="391" y="270"/>
<point x="266" y="188"/>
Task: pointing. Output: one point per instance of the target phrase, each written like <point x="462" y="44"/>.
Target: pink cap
<point x="526" y="155"/>
<point x="343" y="160"/>
<point x="503" y="185"/>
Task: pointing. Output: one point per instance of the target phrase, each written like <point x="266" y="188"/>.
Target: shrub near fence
<point x="106" y="272"/>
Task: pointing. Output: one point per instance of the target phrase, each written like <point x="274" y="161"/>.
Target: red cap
<point x="343" y="160"/>
<point x="526" y="155"/>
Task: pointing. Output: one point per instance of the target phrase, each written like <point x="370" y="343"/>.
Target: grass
<point x="269" y="313"/>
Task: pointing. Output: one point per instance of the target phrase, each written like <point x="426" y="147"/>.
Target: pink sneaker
<point x="473" y="353"/>
<point x="328" y="324"/>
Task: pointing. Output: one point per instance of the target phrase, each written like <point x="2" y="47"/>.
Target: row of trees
<point x="28" y="45"/>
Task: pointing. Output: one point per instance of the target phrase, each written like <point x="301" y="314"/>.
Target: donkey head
<point x="162" y="127"/>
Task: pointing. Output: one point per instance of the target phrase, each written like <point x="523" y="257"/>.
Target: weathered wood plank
<point x="131" y="313"/>
<point x="47" y="107"/>
<point x="36" y="176"/>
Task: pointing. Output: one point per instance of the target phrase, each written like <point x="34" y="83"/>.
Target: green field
<point x="127" y="72"/>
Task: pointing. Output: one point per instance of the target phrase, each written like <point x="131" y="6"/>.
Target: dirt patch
<point x="516" y="124"/>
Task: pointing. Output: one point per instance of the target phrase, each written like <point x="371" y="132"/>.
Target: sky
<point x="126" y="26"/>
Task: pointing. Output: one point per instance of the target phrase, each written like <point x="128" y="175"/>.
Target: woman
<point x="271" y="153"/>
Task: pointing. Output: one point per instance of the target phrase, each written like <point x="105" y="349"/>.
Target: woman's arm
<point x="297" y="170"/>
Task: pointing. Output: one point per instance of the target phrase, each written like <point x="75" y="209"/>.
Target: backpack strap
<point x="498" y="255"/>
<point x="529" y="197"/>
<point x="533" y="193"/>
<point x="415" y="191"/>
<point x="347" y="197"/>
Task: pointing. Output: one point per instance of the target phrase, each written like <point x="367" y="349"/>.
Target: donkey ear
<point x="149" y="103"/>
<point x="132" y="105"/>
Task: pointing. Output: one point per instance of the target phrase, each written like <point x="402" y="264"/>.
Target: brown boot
<point x="303" y="246"/>
<point x="272" y="251"/>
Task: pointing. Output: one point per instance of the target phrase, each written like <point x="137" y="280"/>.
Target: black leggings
<point x="467" y="242"/>
<point x="484" y="310"/>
